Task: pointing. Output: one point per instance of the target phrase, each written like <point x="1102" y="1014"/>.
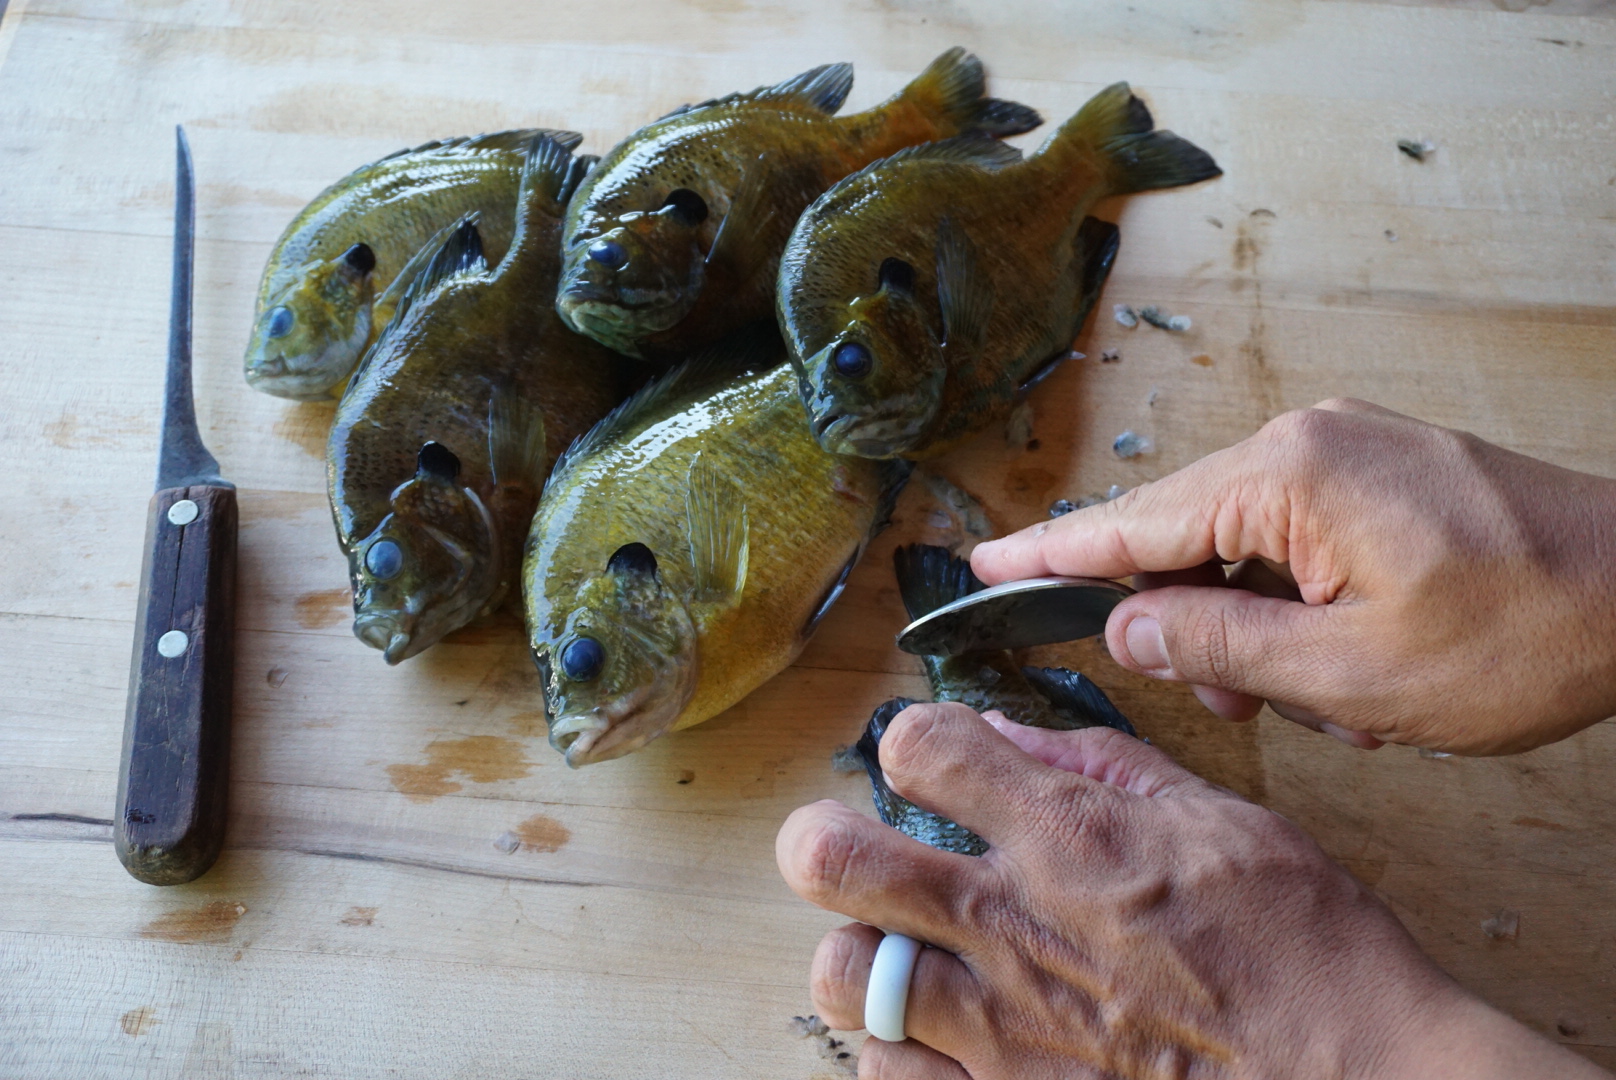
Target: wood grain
<point x="415" y="886"/>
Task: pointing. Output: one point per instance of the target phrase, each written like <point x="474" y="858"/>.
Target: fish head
<point x="620" y="664"/>
<point x="872" y="389"/>
<point x="429" y="567"/>
<point x="634" y="273"/>
<point x="311" y="333"/>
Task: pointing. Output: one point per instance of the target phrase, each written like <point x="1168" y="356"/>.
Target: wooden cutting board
<point x="415" y="886"/>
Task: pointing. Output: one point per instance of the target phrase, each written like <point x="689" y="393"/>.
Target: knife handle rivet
<point x="173" y="643"/>
<point x="182" y="513"/>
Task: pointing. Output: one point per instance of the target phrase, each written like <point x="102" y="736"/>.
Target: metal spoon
<point x="1015" y="615"/>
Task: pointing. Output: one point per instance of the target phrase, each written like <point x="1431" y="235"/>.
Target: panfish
<point x="336" y="274"/>
<point x="687" y="547"/>
<point x="675" y="240"/>
<point x="928" y="578"/>
<point x="923" y="295"/>
<point x="447" y="431"/>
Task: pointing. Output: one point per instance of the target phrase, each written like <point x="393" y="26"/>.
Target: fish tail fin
<point x="1114" y="130"/>
<point x="887" y="802"/>
<point x="929" y="577"/>
<point x="952" y="91"/>
<point x="1076" y="697"/>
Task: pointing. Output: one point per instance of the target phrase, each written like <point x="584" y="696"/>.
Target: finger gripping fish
<point x="328" y="288"/>
<point x="1055" y="698"/>
<point x="675" y="240"/>
<point x="686" y="548"/>
<point x="923" y="295"/>
<point x="446" y="433"/>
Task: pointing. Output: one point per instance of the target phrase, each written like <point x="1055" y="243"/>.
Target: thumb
<point x="1231" y="639"/>
<point x="1106" y="755"/>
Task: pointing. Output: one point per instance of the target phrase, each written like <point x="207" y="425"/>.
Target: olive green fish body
<point x="446" y="433"/>
<point x="1054" y="698"/>
<point x="325" y="293"/>
<point x="922" y="296"/>
<point x="675" y="239"/>
<point x="683" y="553"/>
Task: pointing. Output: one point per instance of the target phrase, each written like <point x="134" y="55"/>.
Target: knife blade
<point x="1016" y="615"/>
<point x="173" y="781"/>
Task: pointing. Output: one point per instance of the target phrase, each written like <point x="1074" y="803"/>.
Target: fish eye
<point x="384" y="559"/>
<point x="583" y="659"/>
<point x="688" y="207"/>
<point x="609" y="253"/>
<point x="852" y="360"/>
<point x="897" y="275"/>
<point x="280" y="321"/>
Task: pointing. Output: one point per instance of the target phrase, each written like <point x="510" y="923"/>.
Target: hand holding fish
<point x="1447" y="593"/>
<point x="1129" y="919"/>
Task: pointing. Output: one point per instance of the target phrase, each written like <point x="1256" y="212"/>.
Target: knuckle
<point x="1209" y="647"/>
<point x="822" y="863"/>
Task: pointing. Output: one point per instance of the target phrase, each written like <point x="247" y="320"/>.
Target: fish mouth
<point x="388" y="632"/>
<point x="575" y="736"/>
<point x="276" y="375"/>
<point x="822" y="426"/>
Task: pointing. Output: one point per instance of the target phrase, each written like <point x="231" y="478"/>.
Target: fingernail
<point x="1360" y="739"/>
<point x="1147" y="647"/>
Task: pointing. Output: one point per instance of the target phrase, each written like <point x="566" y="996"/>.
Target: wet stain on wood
<point x="1201" y="359"/>
<point x="1247" y="252"/>
<point x="542" y="833"/>
<point x="1030" y="485"/>
<point x="322" y="609"/>
<point x="136" y="1022"/>
<point x="481" y="759"/>
<point x="213" y="921"/>
<point x="359" y="916"/>
<point x="308" y="425"/>
<point x="1539" y="823"/>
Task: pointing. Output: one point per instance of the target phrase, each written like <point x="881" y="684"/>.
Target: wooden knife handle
<point x="173" y="785"/>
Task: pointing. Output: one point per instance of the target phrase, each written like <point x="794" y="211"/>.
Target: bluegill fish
<point x="921" y="296"/>
<point x="446" y="433"/>
<point x="684" y="551"/>
<point x="675" y="239"/>
<point x="928" y="578"/>
<point x="336" y="274"/>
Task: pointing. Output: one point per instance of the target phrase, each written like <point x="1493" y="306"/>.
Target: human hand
<point x="1128" y="920"/>
<point x="1447" y="593"/>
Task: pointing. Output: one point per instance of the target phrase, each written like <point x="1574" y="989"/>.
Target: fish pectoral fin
<point x="1075" y="697"/>
<point x="720" y="542"/>
<point x="964" y="294"/>
<point x="748" y="214"/>
<point x="516" y="445"/>
<point x="388" y="303"/>
<point x="822" y="89"/>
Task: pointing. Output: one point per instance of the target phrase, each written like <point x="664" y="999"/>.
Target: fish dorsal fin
<point x="720" y="542"/>
<point x="453" y="252"/>
<point x="516" y="446"/>
<point x="1095" y="252"/>
<point x="546" y="176"/>
<point x="1078" y="699"/>
<point x="888" y="804"/>
<point x="832" y="594"/>
<point x="386" y="305"/>
<point x="516" y="139"/>
<point x="964" y="294"/>
<point x="747" y="350"/>
<point x="980" y="150"/>
<point x="823" y="88"/>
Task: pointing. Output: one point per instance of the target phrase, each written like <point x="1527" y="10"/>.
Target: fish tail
<point x="1077" y="698"/>
<point x="929" y="577"/>
<point x="952" y="93"/>
<point x="887" y="802"/>
<point x="1114" y="131"/>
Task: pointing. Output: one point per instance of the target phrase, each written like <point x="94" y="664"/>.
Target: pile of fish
<point x="666" y="396"/>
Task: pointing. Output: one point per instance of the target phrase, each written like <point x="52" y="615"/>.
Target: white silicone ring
<point x="887" y="998"/>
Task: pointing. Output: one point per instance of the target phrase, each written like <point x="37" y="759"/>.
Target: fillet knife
<point x="1016" y="615"/>
<point x="173" y="782"/>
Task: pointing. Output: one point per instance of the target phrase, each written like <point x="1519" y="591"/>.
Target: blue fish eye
<point x="583" y="659"/>
<point x="852" y="360"/>
<point x="609" y="253"/>
<point x="384" y="560"/>
<point x="280" y="321"/>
